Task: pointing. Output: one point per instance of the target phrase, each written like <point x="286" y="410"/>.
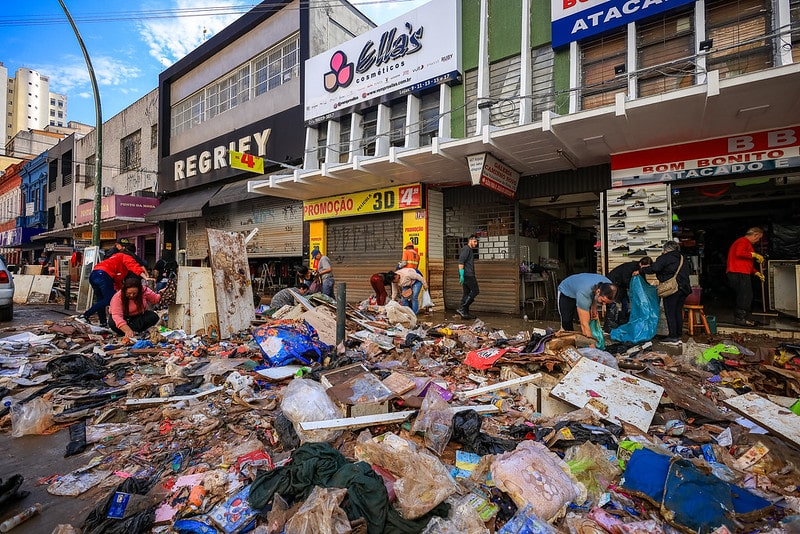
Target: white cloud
<point x="171" y="39"/>
<point x="72" y="74"/>
<point x="385" y="10"/>
<point x="84" y="94"/>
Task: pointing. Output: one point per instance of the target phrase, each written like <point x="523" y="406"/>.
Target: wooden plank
<point x="233" y="288"/>
<point x="22" y="288"/>
<point x="40" y="289"/>
<point x="498" y="386"/>
<point x="176" y="398"/>
<point x="357" y="422"/>
<point x="615" y="396"/>
<point x="767" y="414"/>
<point x="201" y="299"/>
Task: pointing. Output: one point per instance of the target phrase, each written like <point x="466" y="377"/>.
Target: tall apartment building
<point x="28" y="103"/>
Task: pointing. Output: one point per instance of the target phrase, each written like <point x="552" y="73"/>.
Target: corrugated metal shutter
<point x="359" y="247"/>
<point x="279" y="223"/>
<point x="583" y="180"/>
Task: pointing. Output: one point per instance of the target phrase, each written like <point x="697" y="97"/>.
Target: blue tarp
<point x="643" y="321"/>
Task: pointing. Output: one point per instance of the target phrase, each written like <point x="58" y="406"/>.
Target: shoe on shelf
<point x="639" y="193"/>
<point x="619" y="214"/>
<point x="637" y="230"/>
<point x="657" y="225"/>
<point x="655" y="199"/>
<point x="654" y="212"/>
<point x="616" y="236"/>
<point x="628" y="194"/>
<point x="617" y="202"/>
<point x="618" y="224"/>
<point x="638" y="205"/>
<point x="640" y="252"/>
<point x="637" y="241"/>
<point x="654" y="248"/>
<point x="621" y="248"/>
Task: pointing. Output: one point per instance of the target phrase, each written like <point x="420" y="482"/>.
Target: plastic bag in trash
<point x="599" y="356"/>
<point x="33" y="417"/>
<point x="307" y="400"/>
<point x="320" y="513"/>
<point x="284" y="341"/>
<point x="427" y="301"/>
<point x="526" y="522"/>
<point x="533" y="475"/>
<point x="591" y="466"/>
<point x="467" y="431"/>
<point x="434" y="419"/>
<point x="644" y="313"/>
<point x="98" y="522"/>
<point x="396" y="313"/>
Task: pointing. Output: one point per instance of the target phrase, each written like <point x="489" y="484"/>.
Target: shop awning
<point x="235" y="192"/>
<point x="183" y="206"/>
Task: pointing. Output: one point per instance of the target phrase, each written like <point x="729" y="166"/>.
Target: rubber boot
<point x="463" y="311"/>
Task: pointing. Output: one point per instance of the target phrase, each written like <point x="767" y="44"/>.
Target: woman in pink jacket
<point x="130" y="313"/>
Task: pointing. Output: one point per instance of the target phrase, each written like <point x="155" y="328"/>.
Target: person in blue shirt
<point x="582" y="293"/>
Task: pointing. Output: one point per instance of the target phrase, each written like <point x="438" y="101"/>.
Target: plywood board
<point x="22" y="288"/>
<point x="324" y="323"/>
<point x="91" y="257"/>
<point x="615" y="396"/>
<point x="232" y="286"/>
<point x="179" y="318"/>
<point x="40" y="289"/>
<point x="767" y="414"/>
<point x="201" y="300"/>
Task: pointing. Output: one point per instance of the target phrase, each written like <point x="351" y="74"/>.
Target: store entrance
<point x="709" y="217"/>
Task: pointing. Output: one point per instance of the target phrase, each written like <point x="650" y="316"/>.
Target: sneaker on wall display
<point x="618" y="224"/>
<point x="617" y="202"/>
<point x="640" y="252"/>
<point x="626" y="195"/>
<point x="657" y="225"/>
<point x="616" y="236"/>
<point x="655" y="199"/>
<point x="637" y="230"/>
<point x="621" y="248"/>
<point x="638" y="205"/>
<point x="639" y="193"/>
<point x="654" y="247"/>
<point x="637" y="241"/>
<point x="654" y="212"/>
<point x="619" y="214"/>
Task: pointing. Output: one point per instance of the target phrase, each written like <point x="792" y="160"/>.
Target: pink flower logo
<point x="341" y="73"/>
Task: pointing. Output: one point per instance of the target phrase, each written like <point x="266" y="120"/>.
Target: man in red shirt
<point x="740" y="268"/>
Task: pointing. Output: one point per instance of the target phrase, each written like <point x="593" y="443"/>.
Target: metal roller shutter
<point x="359" y="247"/>
<point x="279" y="223"/>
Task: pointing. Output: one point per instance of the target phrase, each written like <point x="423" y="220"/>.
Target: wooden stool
<point x="695" y="316"/>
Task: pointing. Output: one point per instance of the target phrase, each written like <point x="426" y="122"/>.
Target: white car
<point x="6" y="292"/>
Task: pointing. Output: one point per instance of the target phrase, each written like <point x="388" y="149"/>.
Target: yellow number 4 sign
<point x="246" y="162"/>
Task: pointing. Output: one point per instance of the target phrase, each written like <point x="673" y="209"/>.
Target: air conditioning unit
<point x="107" y="191"/>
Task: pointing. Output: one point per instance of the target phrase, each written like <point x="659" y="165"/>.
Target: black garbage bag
<point x="9" y="491"/>
<point x="98" y="522"/>
<point x="77" y="368"/>
<point x="467" y="431"/>
<point x="77" y="439"/>
<point x="286" y="432"/>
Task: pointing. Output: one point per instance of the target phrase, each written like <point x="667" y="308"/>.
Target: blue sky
<point x="129" y="43"/>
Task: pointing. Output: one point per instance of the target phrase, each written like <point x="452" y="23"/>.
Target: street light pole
<point x="98" y="168"/>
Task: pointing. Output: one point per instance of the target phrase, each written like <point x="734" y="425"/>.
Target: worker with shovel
<point x="740" y="268"/>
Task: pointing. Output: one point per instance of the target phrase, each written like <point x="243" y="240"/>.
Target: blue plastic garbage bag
<point x="284" y="341"/>
<point x="597" y="334"/>
<point x="643" y="321"/>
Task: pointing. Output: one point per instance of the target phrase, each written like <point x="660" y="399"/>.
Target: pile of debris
<point x="407" y="427"/>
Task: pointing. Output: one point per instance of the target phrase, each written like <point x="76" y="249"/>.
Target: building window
<point x="369" y="132"/>
<point x="52" y="172"/>
<point x="60" y="114"/>
<point x="599" y="58"/>
<point x="429" y="117"/>
<point x="739" y="30"/>
<point x="542" y="86"/>
<point x="52" y="113"/>
<point x="344" y="139"/>
<point x="66" y="214"/>
<point x="397" y="123"/>
<point x="51" y="217"/>
<point x="52" y="101"/>
<point x="154" y="136"/>
<point x="89" y="170"/>
<point x="66" y="168"/>
<point x="268" y="70"/>
<point x="130" y="153"/>
<point x="794" y="18"/>
<point x="665" y="53"/>
<point x="322" y="142"/>
<point x="61" y="103"/>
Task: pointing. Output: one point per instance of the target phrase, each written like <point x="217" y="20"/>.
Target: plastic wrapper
<point x="589" y="463"/>
<point x="526" y="522"/>
<point x="306" y="400"/>
<point x="435" y="420"/>
<point x="463" y="519"/>
<point x="396" y="313"/>
<point x="320" y="514"/>
<point x="642" y="324"/>
<point x="32" y="417"/>
<point x="532" y="475"/>
<point x="599" y="356"/>
<point x="597" y="334"/>
<point x="422" y="480"/>
<point x="426" y="301"/>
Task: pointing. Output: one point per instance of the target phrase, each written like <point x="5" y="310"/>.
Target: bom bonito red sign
<point x="737" y="154"/>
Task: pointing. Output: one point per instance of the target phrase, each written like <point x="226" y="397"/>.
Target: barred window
<point x="739" y="30"/>
<point x="322" y="142"/>
<point x="89" y="166"/>
<point x="369" y="131"/>
<point x="344" y="139"/>
<point x="130" y="151"/>
<point x="665" y="52"/>
<point x="397" y="123"/>
<point x="600" y="57"/>
<point x="429" y="117"/>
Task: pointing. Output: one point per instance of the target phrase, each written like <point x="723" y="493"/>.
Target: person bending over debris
<point x="106" y="278"/>
<point x="583" y="292"/>
<point x="284" y="297"/>
<point x="379" y="281"/>
<point x="408" y="283"/>
<point x="130" y="314"/>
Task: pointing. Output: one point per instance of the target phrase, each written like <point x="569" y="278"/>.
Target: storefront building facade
<point x="239" y="94"/>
